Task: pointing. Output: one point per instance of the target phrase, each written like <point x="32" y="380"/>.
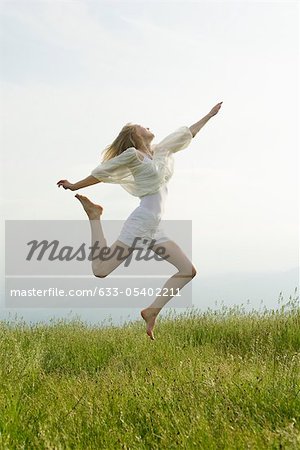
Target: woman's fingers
<point x="216" y="109"/>
<point x="61" y="183"/>
<point x="65" y="184"/>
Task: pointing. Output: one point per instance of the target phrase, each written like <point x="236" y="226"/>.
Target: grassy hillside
<point x="213" y="380"/>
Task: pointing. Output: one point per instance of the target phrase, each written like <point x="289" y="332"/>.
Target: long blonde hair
<point x="125" y="139"/>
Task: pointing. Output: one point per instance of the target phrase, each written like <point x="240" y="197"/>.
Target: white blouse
<point x="139" y="178"/>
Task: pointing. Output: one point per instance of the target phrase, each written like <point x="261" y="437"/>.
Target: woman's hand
<point x="215" y="109"/>
<point x="65" y="184"/>
<point x="196" y="127"/>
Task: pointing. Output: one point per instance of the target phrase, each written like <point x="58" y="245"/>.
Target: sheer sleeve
<point x="117" y="169"/>
<point x="178" y="140"/>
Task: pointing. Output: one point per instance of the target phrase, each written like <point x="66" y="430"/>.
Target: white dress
<point x="147" y="179"/>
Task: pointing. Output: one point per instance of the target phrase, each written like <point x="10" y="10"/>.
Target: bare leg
<point x="102" y="268"/>
<point x="186" y="272"/>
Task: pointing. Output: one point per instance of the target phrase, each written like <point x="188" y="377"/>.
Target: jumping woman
<point x="143" y="170"/>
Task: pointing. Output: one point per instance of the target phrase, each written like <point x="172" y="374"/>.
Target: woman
<point x="143" y="170"/>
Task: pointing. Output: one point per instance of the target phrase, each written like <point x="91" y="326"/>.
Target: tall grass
<point x="211" y="380"/>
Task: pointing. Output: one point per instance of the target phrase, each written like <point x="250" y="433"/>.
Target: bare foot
<point x="93" y="211"/>
<point x="149" y="315"/>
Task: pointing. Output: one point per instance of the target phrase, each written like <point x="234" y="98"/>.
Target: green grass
<point x="215" y="380"/>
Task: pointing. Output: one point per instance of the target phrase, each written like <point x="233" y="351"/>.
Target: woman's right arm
<point x="114" y="170"/>
<point x="88" y="181"/>
<point x="194" y="129"/>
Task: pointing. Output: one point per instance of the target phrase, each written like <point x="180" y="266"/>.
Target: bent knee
<point x="188" y="273"/>
<point x="194" y="272"/>
<point x="99" y="273"/>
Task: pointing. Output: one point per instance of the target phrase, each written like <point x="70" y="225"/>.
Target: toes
<point x="80" y="197"/>
<point x="150" y="333"/>
<point x="151" y="336"/>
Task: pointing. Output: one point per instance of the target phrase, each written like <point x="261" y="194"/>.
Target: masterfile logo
<point x="52" y="264"/>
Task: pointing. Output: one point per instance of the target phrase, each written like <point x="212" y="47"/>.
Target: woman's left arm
<point x="88" y="181"/>
<point x="194" y="129"/>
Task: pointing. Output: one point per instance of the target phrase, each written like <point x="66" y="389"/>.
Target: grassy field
<point x="210" y="380"/>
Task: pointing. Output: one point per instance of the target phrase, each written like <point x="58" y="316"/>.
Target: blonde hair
<point x="125" y="139"/>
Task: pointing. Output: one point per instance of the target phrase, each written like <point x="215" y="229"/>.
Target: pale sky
<point x="74" y="72"/>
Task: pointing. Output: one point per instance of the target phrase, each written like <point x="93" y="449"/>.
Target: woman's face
<point x="144" y="133"/>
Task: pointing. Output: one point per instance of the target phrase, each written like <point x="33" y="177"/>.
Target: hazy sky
<point x="74" y="72"/>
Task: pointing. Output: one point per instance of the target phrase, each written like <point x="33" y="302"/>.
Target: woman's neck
<point x="145" y="148"/>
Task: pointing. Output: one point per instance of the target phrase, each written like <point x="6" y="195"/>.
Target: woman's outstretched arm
<point x="198" y="125"/>
<point x="88" y="181"/>
<point x="114" y="170"/>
